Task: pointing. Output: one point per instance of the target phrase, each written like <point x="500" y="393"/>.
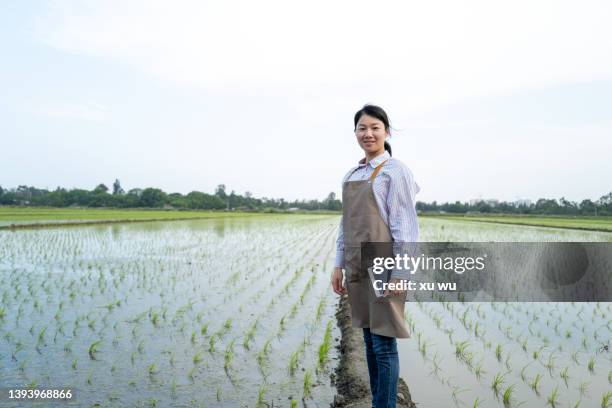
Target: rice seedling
<point x="564" y="375"/>
<point x="320" y="308"/>
<point x="41" y="336"/>
<point x="260" y="397"/>
<point x="436" y="363"/>
<point x="606" y="400"/>
<point x="461" y="350"/>
<point x="522" y="373"/>
<point x="550" y="364"/>
<point x="552" y="398"/>
<point x="583" y="388"/>
<point x="508" y="395"/>
<point x="250" y="334"/>
<point x="456" y="391"/>
<point x="197" y="357"/>
<point x="307" y="385"/>
<point x="152" y="369"/>
<point x="293" y="362"/>
<point x="229" y="356"/>
<point x="324" y="347"/>
<point x="477" y="402"/>
<point x="591" y="365"/>
<point x="93" y="349"/>
<point x="498" y="380"/>
<point x="507" y="362"/>
<point x="535" y="383"/>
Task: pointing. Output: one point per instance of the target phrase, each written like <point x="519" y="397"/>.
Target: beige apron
<point x="362" y="223"/>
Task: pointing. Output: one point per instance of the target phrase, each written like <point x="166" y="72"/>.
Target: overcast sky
<point x="488" y="99"/>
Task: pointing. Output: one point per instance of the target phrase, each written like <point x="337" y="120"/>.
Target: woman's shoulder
<point x="396" y="167"/>
<point x="398" y="171"/>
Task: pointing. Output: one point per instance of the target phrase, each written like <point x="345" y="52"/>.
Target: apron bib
<point x="362" y="223"/>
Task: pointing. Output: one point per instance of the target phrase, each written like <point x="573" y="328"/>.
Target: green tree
<point x="152" y="197"/>
<point x="100" y="188"/>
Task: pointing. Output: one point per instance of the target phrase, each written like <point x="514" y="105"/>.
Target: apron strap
<point x="376" y="170"/>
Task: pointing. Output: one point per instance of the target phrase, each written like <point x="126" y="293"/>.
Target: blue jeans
<point x="383" y="367"/>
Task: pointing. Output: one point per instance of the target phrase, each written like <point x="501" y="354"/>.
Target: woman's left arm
<point x="401" y="209"/>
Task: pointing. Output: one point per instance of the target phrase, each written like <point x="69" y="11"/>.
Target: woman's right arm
<point x="340" y="246"/>
<point x="337" y="275"/>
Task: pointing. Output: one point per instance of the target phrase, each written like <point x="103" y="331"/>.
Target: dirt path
<point x="351" y="375"/>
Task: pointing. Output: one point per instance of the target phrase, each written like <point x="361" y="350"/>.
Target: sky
<point x="487" y="99"/>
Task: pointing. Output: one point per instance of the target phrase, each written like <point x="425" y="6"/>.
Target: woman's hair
<point x="378" y="113"/>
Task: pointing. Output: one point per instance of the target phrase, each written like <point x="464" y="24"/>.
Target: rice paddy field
<point x="232" y="312"/>
<point x="483" y="354"/>
<point x="581" y="223"/>
<point x="20" y="216"/>
<point x="238" y="312"/>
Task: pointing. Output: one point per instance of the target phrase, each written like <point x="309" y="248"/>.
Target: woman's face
<point x="371" y="135"/>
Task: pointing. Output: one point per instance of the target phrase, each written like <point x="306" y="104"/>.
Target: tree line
<point x="543" y="206"/>
<point x="102" y="196"/>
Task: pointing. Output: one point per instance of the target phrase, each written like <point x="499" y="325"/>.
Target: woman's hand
<point x="393" y="292"/>
<point x="336" y="281"/>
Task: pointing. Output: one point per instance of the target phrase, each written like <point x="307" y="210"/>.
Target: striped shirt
<point x="394" y="191"/>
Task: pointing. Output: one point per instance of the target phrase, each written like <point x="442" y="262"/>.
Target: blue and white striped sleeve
<point x="402" y="214"/>
<point x="340" y="241"/>
<point x="340" y="246"/>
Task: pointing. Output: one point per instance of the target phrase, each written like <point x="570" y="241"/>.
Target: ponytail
<point x="388" y="148"/>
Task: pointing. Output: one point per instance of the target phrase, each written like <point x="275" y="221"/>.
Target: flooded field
<point x="224" y="313"/>
<point x="512" y="354"/>
<point x="238" y="312"/>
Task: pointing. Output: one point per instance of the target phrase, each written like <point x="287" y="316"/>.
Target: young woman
<point x="377" y="206"/>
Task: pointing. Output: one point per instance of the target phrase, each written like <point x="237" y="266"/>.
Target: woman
<point x="378" y="206"/>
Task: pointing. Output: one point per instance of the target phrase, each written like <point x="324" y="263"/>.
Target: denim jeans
<point x="383" y="367"/>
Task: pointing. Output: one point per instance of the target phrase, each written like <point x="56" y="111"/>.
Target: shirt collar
<point x="375" y="161"/>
